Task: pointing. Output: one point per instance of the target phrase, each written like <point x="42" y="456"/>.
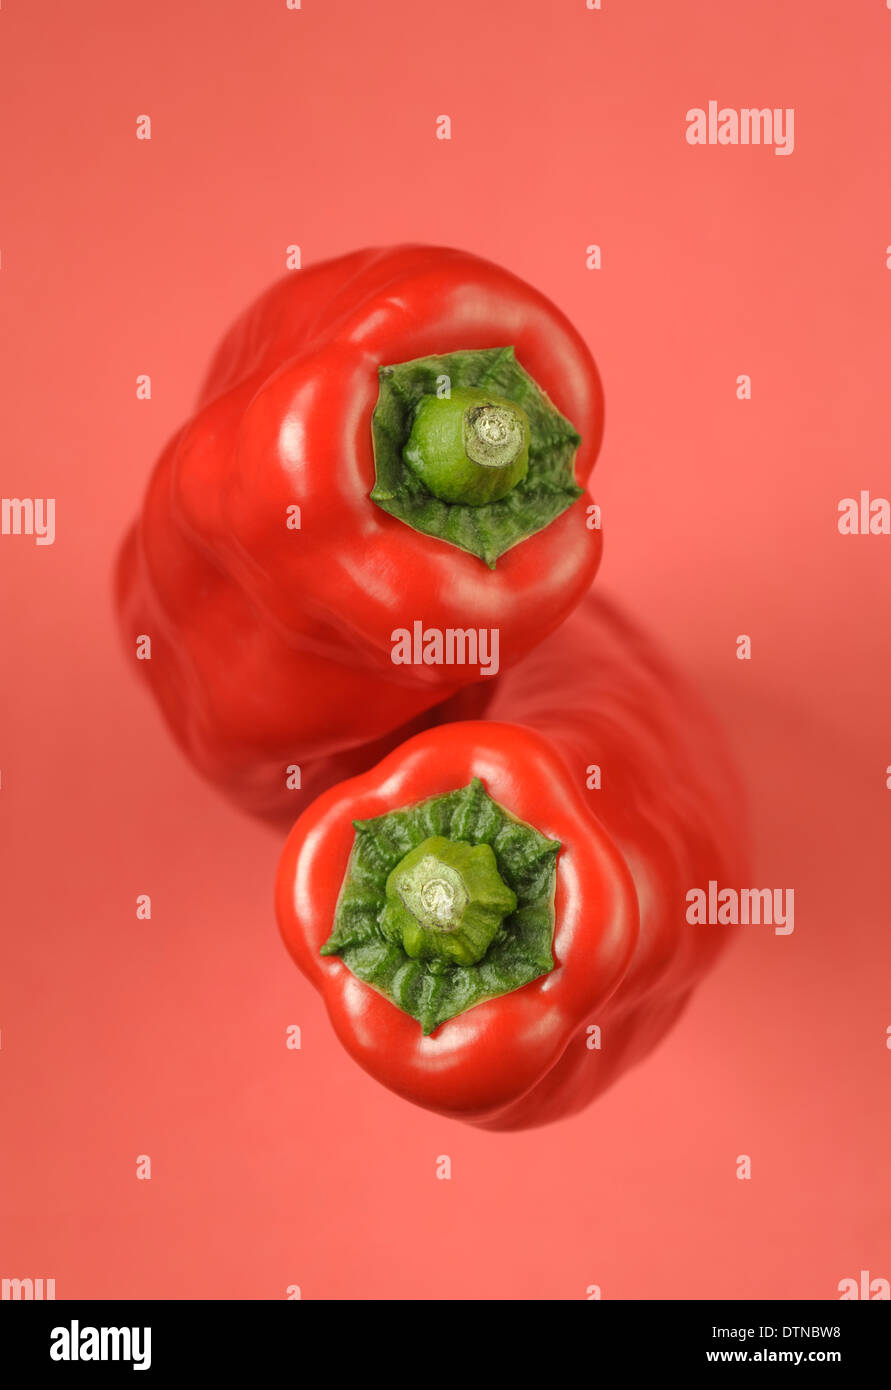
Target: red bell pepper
<point x="493" y="892"/>
<point x="380" y="444"/>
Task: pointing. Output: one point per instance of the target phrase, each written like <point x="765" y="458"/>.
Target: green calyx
<point x="468" y="449"/>
<point x="447" y="903"/>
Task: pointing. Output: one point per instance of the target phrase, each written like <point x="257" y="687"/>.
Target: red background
<point x="122" y="1037"/>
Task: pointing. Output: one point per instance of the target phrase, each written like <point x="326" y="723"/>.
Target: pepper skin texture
<point x="666" y="818"/>
<point x="272" y="646"/>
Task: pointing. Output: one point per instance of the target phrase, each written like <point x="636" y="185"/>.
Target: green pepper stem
<point x="469" y="447"/>
<point x="446" y="900"/>
<point x="494" y="435"/>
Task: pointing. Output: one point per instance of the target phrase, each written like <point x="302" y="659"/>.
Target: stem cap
<point x="446" y="900"/>
<point x="470" y="447"/>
